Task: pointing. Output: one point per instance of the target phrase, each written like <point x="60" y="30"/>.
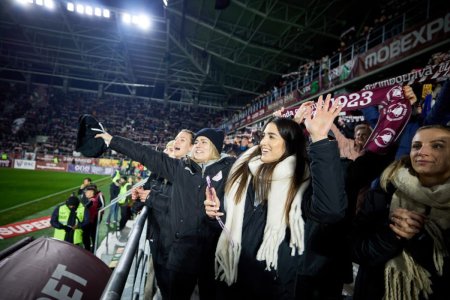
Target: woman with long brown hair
<point x="276" y="197"/>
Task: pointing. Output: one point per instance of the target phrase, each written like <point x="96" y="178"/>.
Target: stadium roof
<point x="192" y="53"/>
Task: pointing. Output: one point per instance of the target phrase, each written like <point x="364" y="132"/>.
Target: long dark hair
<point x="295" y="143"/>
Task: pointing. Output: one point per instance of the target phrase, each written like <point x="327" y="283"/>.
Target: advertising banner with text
<point x="405" y="44"/>
<point x="44" y="165"/>
<point x="5" y="163"/>
<point x="24" y="164"/>
<point x="24" y="227"/>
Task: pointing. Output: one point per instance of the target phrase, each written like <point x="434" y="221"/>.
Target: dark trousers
<point x="124" y="216"/>
<point x="162" y="279"/>
<point x="89" y="236"/>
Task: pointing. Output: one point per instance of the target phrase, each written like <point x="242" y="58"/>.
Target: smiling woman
<point x="275" y="205"/>
<point x="402" y="234"/>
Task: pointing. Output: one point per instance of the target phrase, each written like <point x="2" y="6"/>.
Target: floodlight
<point x="144" y="22"/>
<point x="98" y="11"/>
<point x="89" y="10"/>
<point x="135" y="20"/>
<point x="70" y="6"/>
<point x="80" y="8"/>
<point x="106" y="13"/>
<point x="126" y="18"/>
<point x="165" y="2"/>
<point x="49" y="4"/>
<point x="40" y="2"/>
<point x="23" y="2"/>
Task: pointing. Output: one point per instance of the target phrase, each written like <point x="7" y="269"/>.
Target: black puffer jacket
<point x="193" y="241"/>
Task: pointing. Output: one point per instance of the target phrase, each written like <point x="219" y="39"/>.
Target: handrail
<point x="116" y="283"/>
<point x="114" y="201"/>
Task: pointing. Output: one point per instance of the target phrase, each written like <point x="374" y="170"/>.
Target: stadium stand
<point x="39" y="120"/>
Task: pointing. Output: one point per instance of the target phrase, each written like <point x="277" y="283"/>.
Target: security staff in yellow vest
<point x="69" y="219"/>
<point x="124" y="185"/>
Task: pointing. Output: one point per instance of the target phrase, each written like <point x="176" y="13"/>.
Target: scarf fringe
<point x="407" y="284"/>
<point x="226" y="262"/>
<point x="297" y="225"/>
<point x="268" y="250"/>
<point x="439" y="250"/>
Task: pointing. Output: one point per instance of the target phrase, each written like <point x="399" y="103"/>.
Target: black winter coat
<point x="193" y="241"/>
<point x="324" y="204"/>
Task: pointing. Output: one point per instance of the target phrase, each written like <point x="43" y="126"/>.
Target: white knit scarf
<point x="404" y="278"/>
<point x="228" y="252"/>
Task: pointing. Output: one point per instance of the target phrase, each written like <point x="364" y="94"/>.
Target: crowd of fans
<point x="44" y="120"/>
<point x="285" y="223"/>
<point x="388" y="19"/>
<point x="287" y="211"/>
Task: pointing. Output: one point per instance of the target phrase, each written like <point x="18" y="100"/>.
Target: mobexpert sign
<point x="21" y="228"/>
<point x="402" y="45"/>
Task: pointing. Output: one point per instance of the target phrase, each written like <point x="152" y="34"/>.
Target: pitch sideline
<point x="45" y="197"/>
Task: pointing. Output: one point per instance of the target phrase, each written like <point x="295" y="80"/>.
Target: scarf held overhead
<point x="228" y="252"/>
<point x="394" y="113"/>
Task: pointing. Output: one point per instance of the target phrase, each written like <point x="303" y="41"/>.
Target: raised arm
<point x="155" y="161"/>
<point x="329" y="202"/>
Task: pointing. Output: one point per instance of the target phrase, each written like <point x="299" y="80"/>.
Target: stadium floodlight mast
<point x="142" y="21"/>
<point x="25" y="2"/>
<point x="88" y="10"/>
<point x="70" y="6"/>
<point x="46" y="3"/>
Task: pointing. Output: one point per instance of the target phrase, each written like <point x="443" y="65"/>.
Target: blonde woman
<point x="191" y="256"/>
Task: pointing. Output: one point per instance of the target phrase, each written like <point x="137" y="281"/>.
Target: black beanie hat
<point x="72" y="200"/>
<point x="214" y="135"/>
<point x="87" y="144"/>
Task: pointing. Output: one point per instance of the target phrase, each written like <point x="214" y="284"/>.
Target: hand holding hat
<point x="105" y="136"/>
<point x="87" y="143"/>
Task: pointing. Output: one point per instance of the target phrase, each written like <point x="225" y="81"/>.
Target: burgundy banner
<point x="44" y="165"/>
<point x="433" y="72"/>
<point x="394" y="114"/>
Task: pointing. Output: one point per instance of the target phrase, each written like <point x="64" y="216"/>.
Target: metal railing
<point x="113" y="202"/>
<point x="132" y="252"/>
